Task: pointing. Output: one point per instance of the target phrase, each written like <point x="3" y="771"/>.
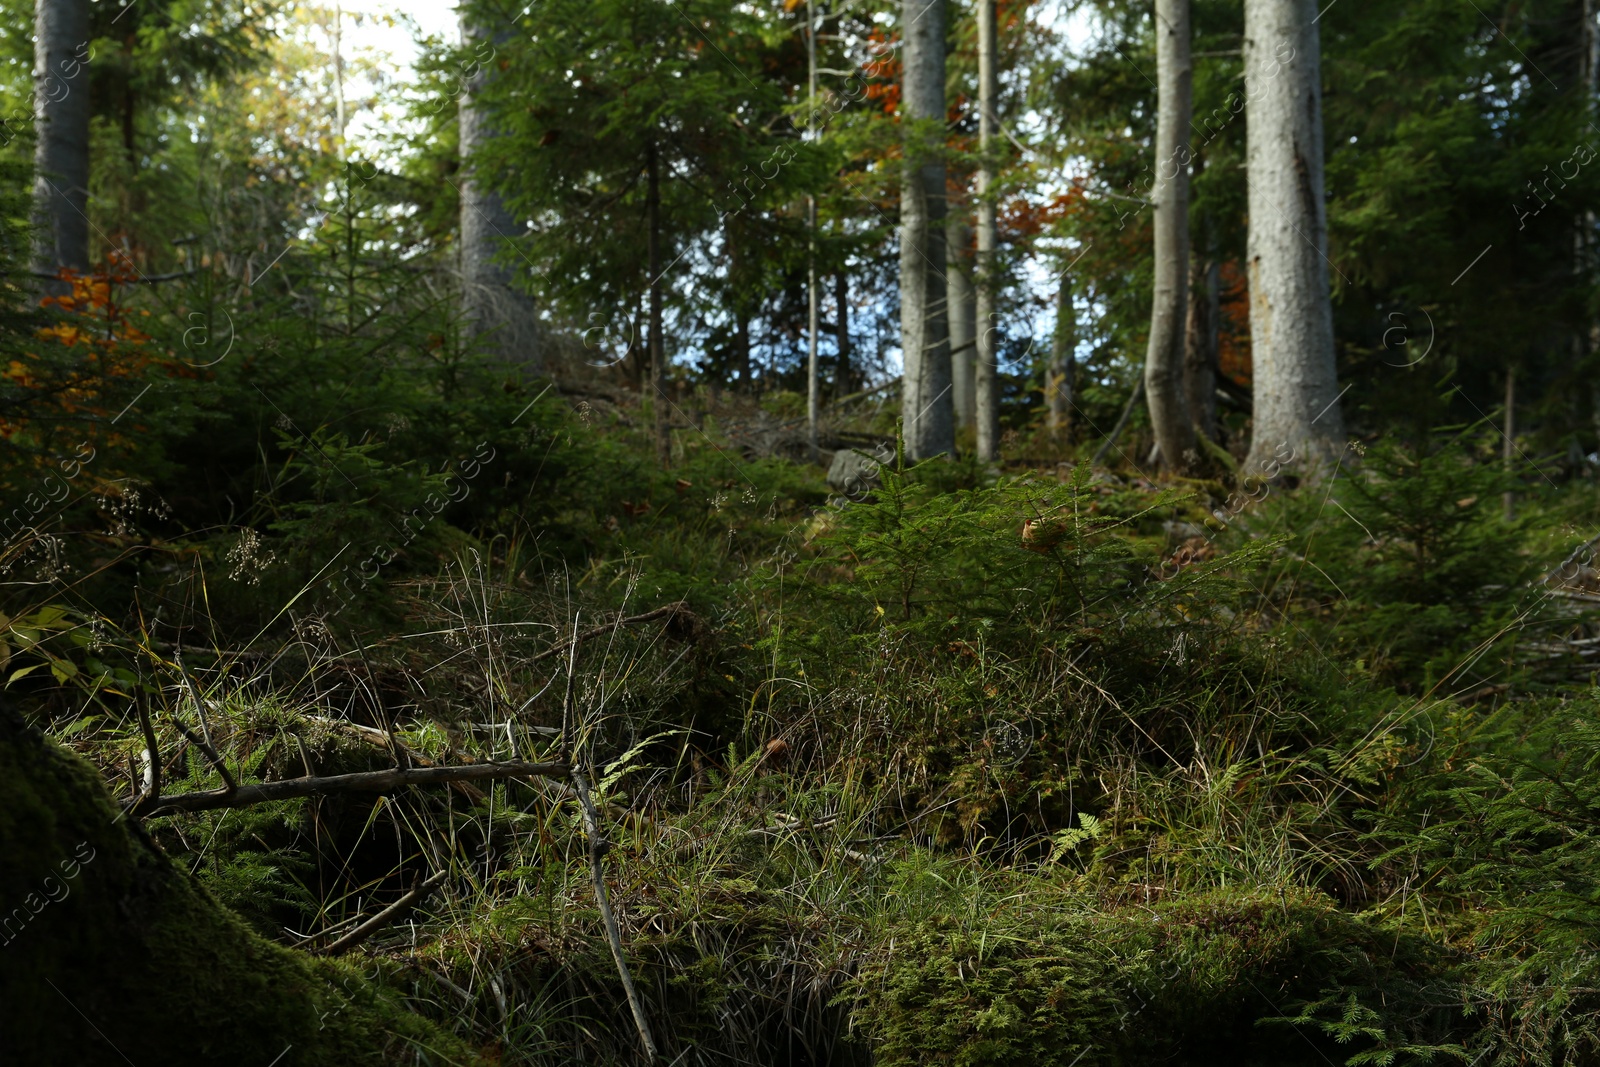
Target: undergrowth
<point x="973" y="769"/>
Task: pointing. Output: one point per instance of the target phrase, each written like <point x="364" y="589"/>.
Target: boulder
<point x="853" y="473"/>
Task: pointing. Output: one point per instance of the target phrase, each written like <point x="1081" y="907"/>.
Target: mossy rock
<point x="111" y="954"/>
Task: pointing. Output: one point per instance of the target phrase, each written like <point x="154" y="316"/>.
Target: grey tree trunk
<point x="925" y="399"/>
<point x="1060" y="380"/>
<point x="738" y="308"/>
<point x="1589" y="339"/>
<point x="1164" y="359"/>
<point x="657" y="387"/>
<point x="813" y="368"/>
<point x="1508" y="437"/>
<point x="1200" y="357"/>
<point x="61" y="115"/>
<point x="1296" y="399"/>
<point x="813" y="372"/>
<point x="491" y="297"/>
<point x="986" y="383"/>
<point x="741" y="345"/>
<point x="963" y="297"/>
<point x="844" y="376"/>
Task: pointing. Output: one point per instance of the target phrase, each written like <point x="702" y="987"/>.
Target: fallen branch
<point x="382" y="739"/>
<point x="143" y="279"/>
<point x="1584" y="598"/>
<point x="865" y="392"/>
<point x="598" y="848"/>
<point x="384" y="917"/>
<point x="667" y="611"/>
<point x="203" y="743"/>
<point x="1122" y="421"/>
<point x="1569" y="568"/>
<point x="228" y="784"/>
<point x="388" y="781"/>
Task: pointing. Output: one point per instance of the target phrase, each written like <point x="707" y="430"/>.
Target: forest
<point x="800" y="533"/>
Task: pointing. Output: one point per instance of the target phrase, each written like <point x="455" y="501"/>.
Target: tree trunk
<point x="813" y="371"/>
<point x="963" y="318"/>
<point x="1508" y="445"/>
<point x="741" y="342"/>
<point x="493" y="304"/>
<point x="813" y="367"/>
<point x="844" y="376"/>
<point x="1296" y="401"/>
<point x="61" y="117"/>
<point x="1063" y="366"/>
<point x="986" y="379"/>
<point x="741" y="324"/>
<point x="658" y="366"/>
<point x="1200" y="357"/>
<point x="1589" y="336"/>
<point x="1164" y="359"/>
<point x="926" y="403"/>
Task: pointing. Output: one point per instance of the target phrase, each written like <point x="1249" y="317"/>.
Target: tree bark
<point x="963" y="297"/>
<point x="1508" y="445"/>
<point x="813" y="370"/>
<point x="813" y="366"/>
<point x="737" y="306"/>
<point x="61" y="117"/>
<point x="658" y="368"/>
<point x="1164" y="359"/>
<point x="927" y="406"/>
<point x="1296" y="401"/>
<point x="844" y="376"/>
<point x="493" y="304"/>
<point x="986" y="378"/>
<point x="741" y="343"/>
<point x="1200" y="357"/>
<point x="1588" y="340"/>
<point x="1060" y="380"/>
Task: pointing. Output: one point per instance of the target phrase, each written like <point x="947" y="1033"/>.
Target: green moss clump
<point x="110" y="954"/>
<point x="1229" y="977"/>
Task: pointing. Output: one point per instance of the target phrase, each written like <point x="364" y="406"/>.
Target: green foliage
<point x="1139" y="986"/>
<point x="589" y="99"/>
<point x="1410" y="566"/>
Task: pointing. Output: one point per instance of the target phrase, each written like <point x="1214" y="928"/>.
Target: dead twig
<point x="668" y="611"/>
<point x="210" y="753"/>
<point x="384" y="917"/>
<point x="597" y="849"/>
<point x="565" y="749"/>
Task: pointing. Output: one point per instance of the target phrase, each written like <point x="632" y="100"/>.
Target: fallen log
<point x="386" y="781"/>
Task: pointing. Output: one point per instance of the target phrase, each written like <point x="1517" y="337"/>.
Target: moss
<point x="110" y="954"/>
<point x="1213" y="979"/>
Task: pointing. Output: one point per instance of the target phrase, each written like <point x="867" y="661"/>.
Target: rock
<point x="852" y="473"/>
<point x="1183" y="531"/>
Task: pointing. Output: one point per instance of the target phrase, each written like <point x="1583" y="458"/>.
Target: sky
<point x="385" y="29"/>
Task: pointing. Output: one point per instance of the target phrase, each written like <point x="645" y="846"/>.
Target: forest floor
<point x="1046" y="765"/>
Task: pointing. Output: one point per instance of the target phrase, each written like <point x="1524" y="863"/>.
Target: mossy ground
<point x="113" y="955"/>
